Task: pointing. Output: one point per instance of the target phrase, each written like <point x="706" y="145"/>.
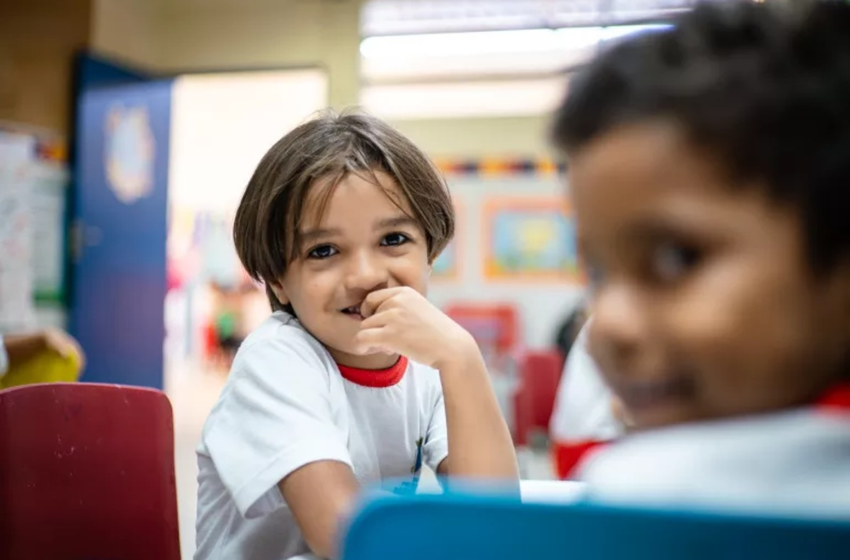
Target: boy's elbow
<point x="322" y="545"/>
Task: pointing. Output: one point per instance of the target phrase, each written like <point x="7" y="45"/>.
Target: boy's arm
<point x="480" y="443"/>
<point x="320" y="495"/>
<point x="400" y="320"/>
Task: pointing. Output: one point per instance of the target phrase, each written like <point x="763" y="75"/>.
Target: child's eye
<point x="672" y="261"/>
<point x="394" y="239"/>
<point x="322" y="252"/>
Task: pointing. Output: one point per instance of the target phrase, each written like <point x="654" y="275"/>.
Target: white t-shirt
<point x="583" y="403"/>
<point x="285" y="405"/>
<point x="795" y="462"/>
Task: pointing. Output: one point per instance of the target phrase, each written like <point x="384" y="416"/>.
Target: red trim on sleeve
<point x="836" y="399"/>
<point x="568" y="456"/>
<point x="377" y="378"/>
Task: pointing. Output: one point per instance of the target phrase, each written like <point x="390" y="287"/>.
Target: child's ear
<point x="279" y="292"/>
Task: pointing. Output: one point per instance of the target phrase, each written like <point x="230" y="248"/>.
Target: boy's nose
<point x="365" y="272"/>
<point x="617" y="326"/>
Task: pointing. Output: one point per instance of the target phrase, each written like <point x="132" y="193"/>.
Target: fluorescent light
<point x="465" y="99"/>
<point x="621" y="31"/>
<point x="459" y="44"/>
<point x="516" y="41"/>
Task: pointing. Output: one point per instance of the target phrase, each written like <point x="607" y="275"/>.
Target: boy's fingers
<point x="376" y="321"/>
<point x="371" y="340"/>
<point x="375" y="299"/>
<point x="66" y="346"/>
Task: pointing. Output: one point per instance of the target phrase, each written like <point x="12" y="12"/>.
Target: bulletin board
<point x="529" y="239"/>
<point x="33" y="242"/>
<point x="16" y="309"/>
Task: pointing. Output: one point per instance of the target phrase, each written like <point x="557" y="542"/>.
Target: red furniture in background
<point x="494" y="326"/>
<point x="87" y="471"/>
<point x="539" y="372"/>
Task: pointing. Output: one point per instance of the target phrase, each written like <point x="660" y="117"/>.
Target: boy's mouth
<point x="353" y="312"/>
<point x="646" y="395"/>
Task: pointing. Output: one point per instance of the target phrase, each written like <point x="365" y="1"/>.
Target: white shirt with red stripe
<point x="793" y="462"/>
<point x="287" y="404"/>
<point x="583" y="417"/>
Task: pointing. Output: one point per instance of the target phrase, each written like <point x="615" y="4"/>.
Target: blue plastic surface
<point x="450" y="527"/>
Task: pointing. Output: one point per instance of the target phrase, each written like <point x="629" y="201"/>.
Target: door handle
<point x="83" y="236"/>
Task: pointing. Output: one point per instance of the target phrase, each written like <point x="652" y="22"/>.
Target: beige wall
<point x="38" y="40"/>
<point x="291" y="33"/>
<point x="189" y="35"/>
<point x="475" y="138"/>
<point x="126" y="30"/>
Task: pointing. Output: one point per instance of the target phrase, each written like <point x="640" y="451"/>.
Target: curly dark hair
<point x="765" y="89"/>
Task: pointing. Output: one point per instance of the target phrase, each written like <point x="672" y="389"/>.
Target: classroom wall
<point x="517" y="137"/>
<point x="38" y="40"/>
<point x="261" y="34"/>
<point x="127" y="31"/>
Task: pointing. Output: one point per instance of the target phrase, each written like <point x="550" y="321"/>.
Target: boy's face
<point x="362" y="242"/>
<point x="704" y="305"/>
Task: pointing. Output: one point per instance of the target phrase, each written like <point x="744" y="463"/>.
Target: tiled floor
<point x="193" y="392"/>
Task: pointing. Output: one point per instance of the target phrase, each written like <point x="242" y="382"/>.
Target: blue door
<point x="120" y="202"/>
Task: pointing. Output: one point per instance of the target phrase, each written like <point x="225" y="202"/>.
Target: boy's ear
<point x="279" y="292"/>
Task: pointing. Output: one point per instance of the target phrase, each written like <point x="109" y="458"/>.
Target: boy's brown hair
<point x="327" y="149"/>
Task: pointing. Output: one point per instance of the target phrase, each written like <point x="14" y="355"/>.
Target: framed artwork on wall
<point x="529" y="240"/>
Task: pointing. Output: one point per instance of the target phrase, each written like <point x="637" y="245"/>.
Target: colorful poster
<point x="530" y="240"/>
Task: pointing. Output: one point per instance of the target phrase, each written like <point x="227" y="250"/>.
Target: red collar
<point x="836" y="399"/>
<point x="378" y="378"/>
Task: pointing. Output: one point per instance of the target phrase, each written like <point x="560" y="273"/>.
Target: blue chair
<point x="458" y="527"/>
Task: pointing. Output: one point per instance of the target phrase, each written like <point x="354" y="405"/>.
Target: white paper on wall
<point x="16" y="308"/>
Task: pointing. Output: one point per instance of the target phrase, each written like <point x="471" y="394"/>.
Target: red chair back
<point x="539" y="374"/>
<point x="87" y="471"/>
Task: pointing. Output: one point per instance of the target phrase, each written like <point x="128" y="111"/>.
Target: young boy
<point x="355" y="378"/>
<point x="710" y="172"/>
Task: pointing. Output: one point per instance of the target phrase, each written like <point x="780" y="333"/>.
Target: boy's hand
<point x="63" y="344"/>
<point x="620" y="413"/>
<point x="400" y="320"/>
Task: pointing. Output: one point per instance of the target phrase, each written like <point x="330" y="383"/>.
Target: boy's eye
<point x="321" y="252"/>
<point x="671" y="261"/>
<point x="394" y="239"/>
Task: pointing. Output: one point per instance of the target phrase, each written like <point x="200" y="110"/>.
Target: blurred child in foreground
<point x="709" y="167"/>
